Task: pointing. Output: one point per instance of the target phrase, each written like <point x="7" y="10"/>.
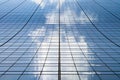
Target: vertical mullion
<point x="59" y="56"/>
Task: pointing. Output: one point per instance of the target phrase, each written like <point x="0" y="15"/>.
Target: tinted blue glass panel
<point x="59" y="40"/>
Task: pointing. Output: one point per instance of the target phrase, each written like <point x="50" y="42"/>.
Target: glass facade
<point x="59" y="40"/>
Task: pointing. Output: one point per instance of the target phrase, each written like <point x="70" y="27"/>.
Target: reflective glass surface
<point x="59" y="40"/>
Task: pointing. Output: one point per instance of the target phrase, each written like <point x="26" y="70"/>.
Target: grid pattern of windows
<point x="59" y="40"/>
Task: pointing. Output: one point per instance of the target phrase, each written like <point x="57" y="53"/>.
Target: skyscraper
<point x="59" y="40"/>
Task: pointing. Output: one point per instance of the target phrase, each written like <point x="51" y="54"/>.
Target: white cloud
<point x="36" y="1"/>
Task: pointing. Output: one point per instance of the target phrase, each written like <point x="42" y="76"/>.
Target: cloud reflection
<point x="42" y="5"/>
<point x="84" y="19"/>
<point x="67" y="17"/>
<point x="70" y="16"/>
<point x="36" y="1"/>
<point x="36" y="34"/>
<point x="42" y="52"/>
